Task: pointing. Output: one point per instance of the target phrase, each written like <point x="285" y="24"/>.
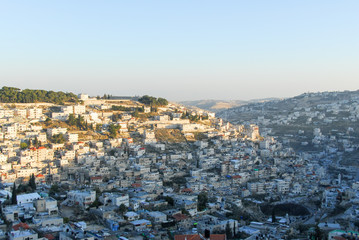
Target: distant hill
<point x="287" y="105"/>
<point x="297" y="120"/>
<point x="16" y="95"/>
<point x="218" y="105"/>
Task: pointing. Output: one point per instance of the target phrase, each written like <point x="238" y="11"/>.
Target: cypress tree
<point x="14" y="195"/>
<point x="273" y="216"/>
<point x="229" y="233"/>
<point x="32" y="182"/>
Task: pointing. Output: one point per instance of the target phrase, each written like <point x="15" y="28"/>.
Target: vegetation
<point x="169" y="200"/>
<point x="96" y="203"/>
<point x="179" y="180"/>
<point x="152" y="101"/>
<point x="54" y="189"/>
<point x="229" y="232"/>
<point x="202" y="201"/>
<point x="15" y="95"/>
<point x="36" y="143"/>
<point x="14" y="195"/>
<point x="240" y="214"/>
<point x="79" y="122"/>
<point x="337" y="210"/>
<point x="282" y="209"/>
<point x="169" y="135"/>
<point x="113" y="129"/>
<point x="185" y="211"/>
<point x="193" y="118"/>
<point x="273" y="216"/>
<point x="125" y="109"/>
<point x="122" y="209"/>
<point x="98" y="127"/>
<point x="32" y="182"/>
<point x="58" y="138"/>
<point x="23" y="145"/>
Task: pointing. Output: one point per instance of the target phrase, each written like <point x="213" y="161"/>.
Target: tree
<point x="54" y="189"/>
<point x="72" y="120"/>
<point x="80" y="122"/>
<point x="318" y="233"/>
<point x="48" y="121"/>
<point x="154" y="109"/>
<point x="229" y="233"/>
<point x="135" y="113"/>
<point x="234" y="229"/>
<point x="14" y="195"/>
<point x="115" y="117"/>
<point x="202" y="201"/>
<point x="122" y="209"/>
<point x="58" y="138"/>
<point x="273" y="216"/>
<point x="113" y="129"/>
<point x="32" y="182"/>
<point x="185" y="211"/>
<point x="23" y="145"/>
<point x="169" y="200"/>
<point x="98" y="127"/>
<point x="152" y="101"/>
<point x="96" y="203"/>
<point x="15" y="95"/>
<point x="36" y="142"/>
<point x="162" y="101"/>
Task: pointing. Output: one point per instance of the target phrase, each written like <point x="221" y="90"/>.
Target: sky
<point x="181" y="49"/>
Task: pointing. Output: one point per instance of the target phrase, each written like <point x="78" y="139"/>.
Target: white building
<point x="27" y="198"/>
<point x="72" y="137"/>
<point x="23" y="234"/>
<point x="81" y="198"/>
<point x="55" y="131"/>
<point x="83" y="96"/>
<point x="115" y="199"/>
<point x="9" y="130"/>
<point x="34" y="113"/>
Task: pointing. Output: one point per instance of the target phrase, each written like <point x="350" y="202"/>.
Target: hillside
<point x="219" y="105"/>
<point x="320" y="122"/>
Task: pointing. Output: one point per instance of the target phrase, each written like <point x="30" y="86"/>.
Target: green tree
<point x="58" y="138"/>
<point x="15" y="95"/>
<point x="318" y="235"/>
<point x="229" y="233"/>
<point x="170" y="200"/>
<point x="122" y="209"/>
<point x="115" y="117"/>
<point x="162" y="102"/>
<point x="135" y="113"/>
<point x="273" y="216"/>
<point x="32" y="182"/>
<point x="14" y="195"/>
<point x="98" y="127"/>
<point x="202" y="201"/>
<point x="113" y="129"/>
<point x="54" y="189"/>
<point x="152" y="101"/>
<point x="185" y="211"/>
<point x="23" y="145"/>
<point x="96" y="203"/>
<point x="36" y="142"/>
<point x="80" y="122"/>
<point x="72" y="120"/>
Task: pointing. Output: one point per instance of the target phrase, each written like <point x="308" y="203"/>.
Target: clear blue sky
<point x="181" y="50"/>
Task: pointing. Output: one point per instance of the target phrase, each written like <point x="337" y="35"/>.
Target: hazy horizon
<point x="181" y="51"/>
